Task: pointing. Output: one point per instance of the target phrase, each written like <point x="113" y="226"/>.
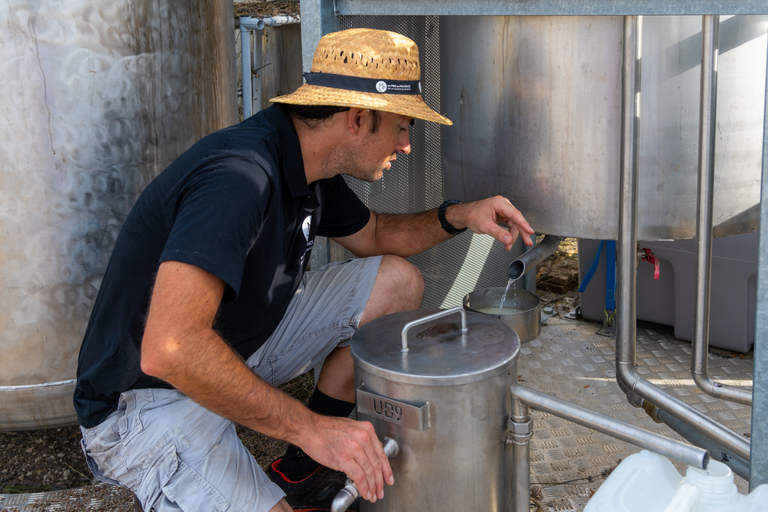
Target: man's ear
<point x="356" y="119"/>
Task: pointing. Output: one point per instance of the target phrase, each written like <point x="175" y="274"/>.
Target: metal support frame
<point x="319" y="19"/>
<point x="323" y="15"/>
<point x="548" y="7"/>
<point x="759" y="434"/>
<point x="626" y="331"/>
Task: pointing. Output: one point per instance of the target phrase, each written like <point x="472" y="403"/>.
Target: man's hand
<point x="351" y="447"/>
<point x="484" y="217"/>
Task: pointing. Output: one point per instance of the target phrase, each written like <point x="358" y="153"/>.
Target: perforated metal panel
<point x="415" y="183"/>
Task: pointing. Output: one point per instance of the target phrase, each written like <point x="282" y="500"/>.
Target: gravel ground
<point x="50" y="460"/>
<point x="259" y="9"/>
<point x="42" y="461"/>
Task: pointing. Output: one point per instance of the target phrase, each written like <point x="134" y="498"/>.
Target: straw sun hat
<point x="365" y="68"/>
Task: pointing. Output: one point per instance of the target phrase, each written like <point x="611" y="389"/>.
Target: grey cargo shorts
<point x="175" y="455"/>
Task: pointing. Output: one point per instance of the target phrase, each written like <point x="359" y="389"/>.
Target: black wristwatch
<point x="444" y="222"/>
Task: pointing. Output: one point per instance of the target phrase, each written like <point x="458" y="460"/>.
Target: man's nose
<point x="405" y="145"/>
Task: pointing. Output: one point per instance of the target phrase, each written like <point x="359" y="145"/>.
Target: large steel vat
<point x="536" y="106"/>
<point x="97" y="98"/>
<point x="445" y="400"/>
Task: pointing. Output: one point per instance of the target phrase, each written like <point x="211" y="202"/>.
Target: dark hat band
<point x="371" y="85"/>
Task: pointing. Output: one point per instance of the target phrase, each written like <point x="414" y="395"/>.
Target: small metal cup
<point x="526" y="322"/>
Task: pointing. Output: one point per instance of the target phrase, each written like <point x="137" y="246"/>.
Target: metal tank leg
<point x="705" y="207"/>
<point x="520" y="430"/>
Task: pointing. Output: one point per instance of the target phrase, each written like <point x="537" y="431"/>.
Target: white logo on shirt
<point x="305" y="227"/>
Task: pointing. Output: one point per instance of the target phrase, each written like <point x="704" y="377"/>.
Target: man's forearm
<point x="209" y="372"/>
<point x="408" y="234"/>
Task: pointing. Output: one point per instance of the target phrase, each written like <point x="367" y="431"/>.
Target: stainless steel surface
<point x="533" y="257"/>
<point x="526" y="322"/>
<point x="536" y="108"/>
<point x="547" y="7"/>
<point x="524" y="95"/>
<point x="439" y="353"/>
<point x="98" y="97"/>
<point x="413" y="416"/>
<point x="349" y="493"/>
<point x="704" y="212"/>
<point x="682" y="452"/>
<point x="669" y="125"/>
<point x="458" y="463"/>
<point x="626" y="336"/>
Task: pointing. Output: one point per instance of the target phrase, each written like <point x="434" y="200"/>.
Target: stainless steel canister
<point x="98" y="97"/>
<point x="521" y="309"/>
<point x="438" y="384"/>
<point x="536" y="107"/>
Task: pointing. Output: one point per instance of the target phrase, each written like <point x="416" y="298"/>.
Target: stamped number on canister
<point x="393" y="411"/>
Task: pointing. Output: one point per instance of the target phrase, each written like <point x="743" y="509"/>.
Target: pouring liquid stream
<point x="504" y="296"/>
<point x="502" y="310"/>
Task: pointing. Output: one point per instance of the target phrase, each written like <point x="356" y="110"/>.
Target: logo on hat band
<point x="354" y="83"/>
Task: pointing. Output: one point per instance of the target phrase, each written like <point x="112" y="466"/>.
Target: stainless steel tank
<point x="536" y="106"/>
<point x="97" y="98"/>
<point x="445" y="400"/>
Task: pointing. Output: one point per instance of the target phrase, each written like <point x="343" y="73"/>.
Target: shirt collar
<point x="291" y="162"/>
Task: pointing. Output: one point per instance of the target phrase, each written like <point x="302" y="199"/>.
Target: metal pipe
<point x="275" y="21"/>
<point x="245" y="65"/>
<point x="759" y="433"/>
<point x="531" y="258"/>
<point x="26" y="387"/>
<point x="716" y="452"/>
<point x="626" y="335"/>
<point x="685" y="453"/>
<point x="247" y="24"/>
<point x="626" y="255"/>
<point x="710" y="31"/>
<point x="519" y="436"/>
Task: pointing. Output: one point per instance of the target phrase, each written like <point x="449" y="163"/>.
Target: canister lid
<point x="438" y="353"/>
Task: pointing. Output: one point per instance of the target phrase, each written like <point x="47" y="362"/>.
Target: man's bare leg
<point x="398" y="287"/>
<point x="282" y="506"/>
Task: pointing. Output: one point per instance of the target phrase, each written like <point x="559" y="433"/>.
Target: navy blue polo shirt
<point x="236" y="204"/>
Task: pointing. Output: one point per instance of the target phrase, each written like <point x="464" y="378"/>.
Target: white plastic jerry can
<point x="649" y="482"/>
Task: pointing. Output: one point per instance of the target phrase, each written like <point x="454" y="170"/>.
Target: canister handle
<point x="439" y="314"/>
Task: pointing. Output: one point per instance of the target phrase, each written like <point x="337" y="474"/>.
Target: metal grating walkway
<point x="571" y="361"/>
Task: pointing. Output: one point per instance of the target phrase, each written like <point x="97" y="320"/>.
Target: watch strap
<point x="444" y="222"/>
